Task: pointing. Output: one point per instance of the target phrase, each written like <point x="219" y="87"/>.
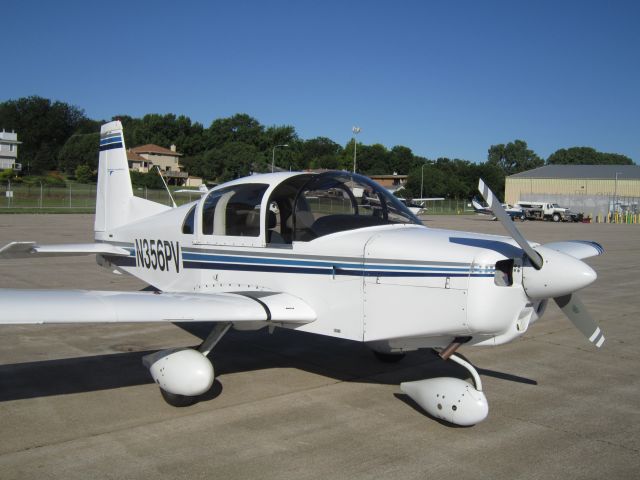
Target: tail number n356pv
<point x="158" y="254"/>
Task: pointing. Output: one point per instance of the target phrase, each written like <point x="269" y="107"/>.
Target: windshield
<point x="337" y="201"/>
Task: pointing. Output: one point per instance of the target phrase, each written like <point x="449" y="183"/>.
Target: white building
<point x="9" y="150"/>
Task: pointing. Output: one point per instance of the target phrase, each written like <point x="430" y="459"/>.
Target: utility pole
<point x="355" y="130"/>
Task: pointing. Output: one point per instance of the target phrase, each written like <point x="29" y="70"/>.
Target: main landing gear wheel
<point x="185" y="370"/>
<point x="389" y="357"/>
<point x="178" y="400"/>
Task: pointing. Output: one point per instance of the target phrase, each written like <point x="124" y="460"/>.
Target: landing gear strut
<point x="213" y="338"/>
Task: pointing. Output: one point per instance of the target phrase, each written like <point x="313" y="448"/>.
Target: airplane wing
<point x="577" y="248"/>
<point x="431" y="199"/>
<point x="191" y="191"/>
<point x="202" y="189"/>
<point x="85" y="306"/>
<point x="31" y="249"/>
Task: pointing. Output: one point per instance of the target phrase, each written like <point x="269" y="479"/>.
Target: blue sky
<point x="445" y="78"/>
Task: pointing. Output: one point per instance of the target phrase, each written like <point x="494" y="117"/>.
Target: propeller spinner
<point x="551" y="274"/>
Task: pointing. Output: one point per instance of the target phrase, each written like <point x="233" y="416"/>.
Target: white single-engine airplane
<point x="324" y="261"/>
<point x="514" y="211"/>
<point x="418" y="206"/>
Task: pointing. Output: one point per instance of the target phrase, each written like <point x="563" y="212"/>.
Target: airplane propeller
<point x="505" y="219"/>
<point x="552" y="274"/>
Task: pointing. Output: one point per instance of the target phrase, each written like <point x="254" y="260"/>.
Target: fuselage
<point x="400" y="283"/>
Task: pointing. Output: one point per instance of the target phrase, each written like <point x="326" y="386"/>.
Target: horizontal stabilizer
<point x="31" y="250"/>
<point x="84" y="306"/>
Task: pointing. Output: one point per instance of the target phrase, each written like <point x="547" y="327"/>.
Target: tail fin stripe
<point x="110" y="146"/>
<point x="108" y="136"/>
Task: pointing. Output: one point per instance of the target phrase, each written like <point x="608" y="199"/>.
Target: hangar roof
<point x="602" y="172"/>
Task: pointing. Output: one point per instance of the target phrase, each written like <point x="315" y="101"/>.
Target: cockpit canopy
<point x="297" y="208"/>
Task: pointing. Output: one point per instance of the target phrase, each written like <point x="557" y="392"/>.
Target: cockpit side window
<point x="188" y="224"/>
<point x="279" y="218"/>
<point x="337" y="201"/>
<point x="233" y="211"/>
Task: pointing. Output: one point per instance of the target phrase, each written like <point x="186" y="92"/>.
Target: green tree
<point x="164" y="130"/>
<point x="282" y="135"/>
<point x="493" y="176"/>
<point x="150" y="179"/>
<point x="80" y="149"/>
<point x="586" y="156"/>
<point x="514" y="157"/>
<point x="373" y="159"/>
<point x="240" y="128"/>
<point x="229" y="161"/>
<point x="402" y="160"/>
<point x="432" y="179"/>
<point x="43" y="127"/>
<point x="84" y="174"/>
<point x="319" y="152"/>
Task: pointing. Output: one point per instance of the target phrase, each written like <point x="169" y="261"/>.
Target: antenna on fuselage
<point x="166" y="186"/>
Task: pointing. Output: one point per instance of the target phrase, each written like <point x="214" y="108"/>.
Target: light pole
<point x="422" y="179"/>
<point x="355" y="130"/>
<point x="273" y="155"/>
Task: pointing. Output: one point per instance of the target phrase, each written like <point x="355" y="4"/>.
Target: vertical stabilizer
<point x="114" y="183"/>
<point x="115" y="202"/>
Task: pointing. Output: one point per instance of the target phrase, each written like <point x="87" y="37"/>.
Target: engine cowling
<point x="181" y="371"/>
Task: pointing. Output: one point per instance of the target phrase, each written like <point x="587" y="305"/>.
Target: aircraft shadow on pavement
<point x="339" y="359"/>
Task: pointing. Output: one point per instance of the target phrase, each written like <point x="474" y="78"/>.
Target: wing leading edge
<point x="87" y="306"/>
<point x="32" y="250"/>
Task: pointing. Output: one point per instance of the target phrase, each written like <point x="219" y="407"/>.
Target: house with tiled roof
<point x="167" y="159"/>
<point x="137" y="162"/>
<point x="147" y="157"/>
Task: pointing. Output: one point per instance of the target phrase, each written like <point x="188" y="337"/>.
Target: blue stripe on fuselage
<point x="204" y="258"/>
<point x="358" y="272"/>
<point x="205" y="261"/>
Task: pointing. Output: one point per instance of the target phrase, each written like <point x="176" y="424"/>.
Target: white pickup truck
<point x="548" y="211"/>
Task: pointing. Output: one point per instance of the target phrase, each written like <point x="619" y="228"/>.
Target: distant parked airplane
<point x="514" y="211"/>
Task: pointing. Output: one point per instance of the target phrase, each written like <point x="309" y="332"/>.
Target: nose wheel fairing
<point x="451" y="399"/>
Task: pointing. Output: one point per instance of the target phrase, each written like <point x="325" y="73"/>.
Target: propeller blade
<point x="507" y="223"/>
<point x="575" y="311"/>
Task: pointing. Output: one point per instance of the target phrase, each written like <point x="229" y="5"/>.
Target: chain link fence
<point x="82" y="198"/>
<point x="72" y="197"/>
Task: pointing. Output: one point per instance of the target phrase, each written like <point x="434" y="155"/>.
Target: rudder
<point x="115" y="203"/>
